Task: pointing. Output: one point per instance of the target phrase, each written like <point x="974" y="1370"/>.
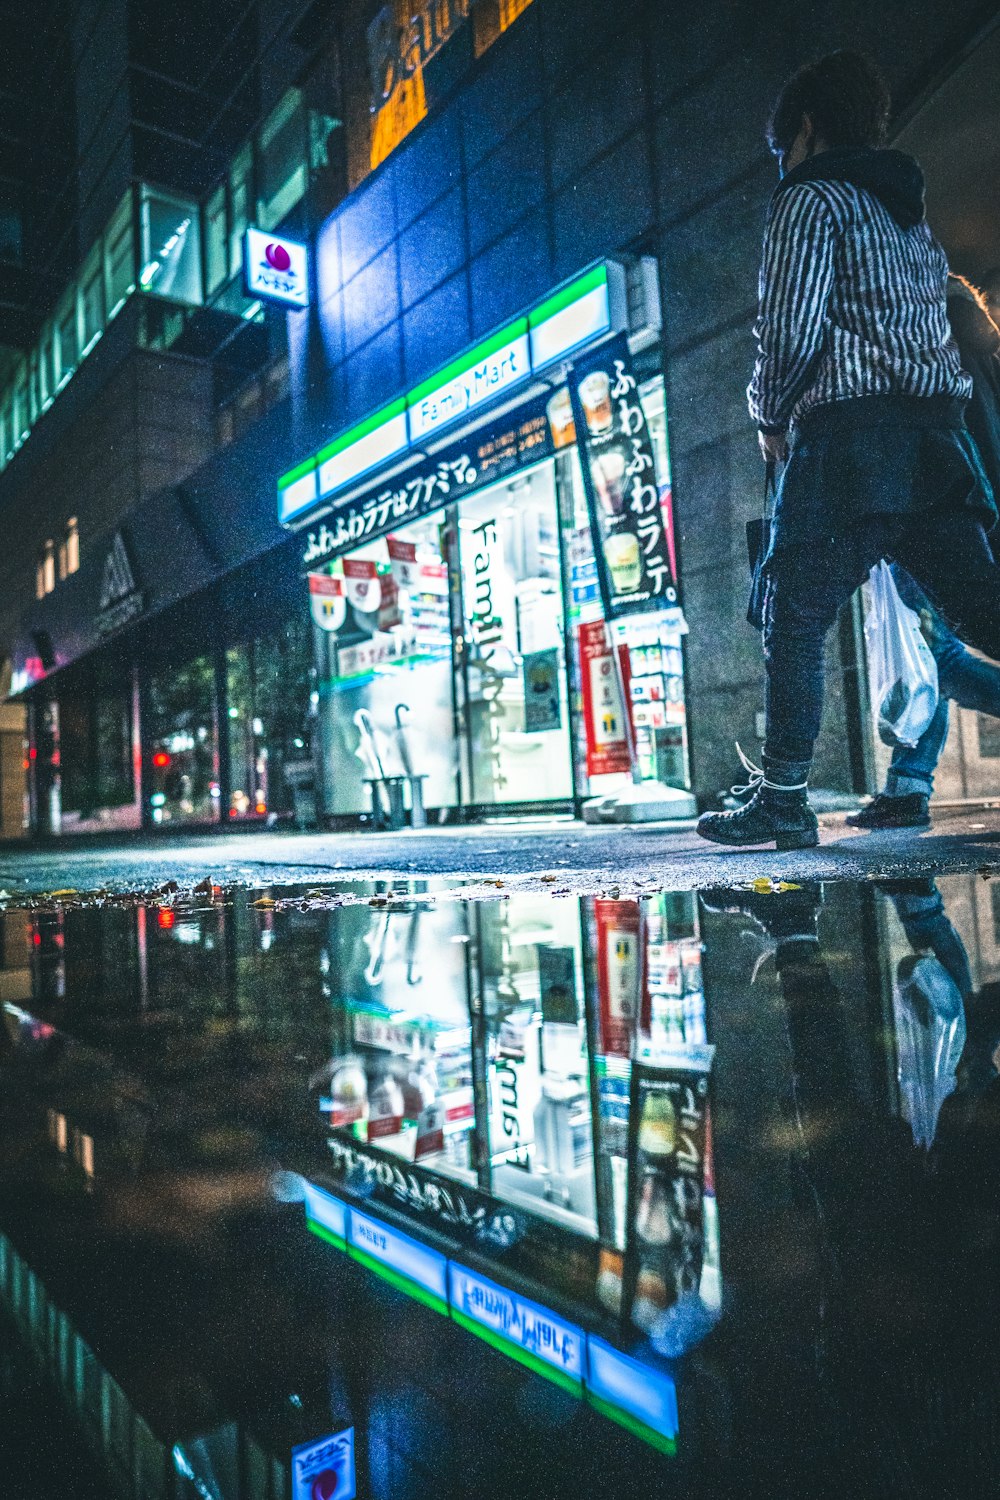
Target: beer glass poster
<point x="623" y="496"/>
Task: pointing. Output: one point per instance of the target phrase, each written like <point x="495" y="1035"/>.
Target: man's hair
<point x="845" y="96"/>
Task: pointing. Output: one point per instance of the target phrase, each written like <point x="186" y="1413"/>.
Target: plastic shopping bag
<point x="930" y="1035"/>
<point x="904" y="678"/>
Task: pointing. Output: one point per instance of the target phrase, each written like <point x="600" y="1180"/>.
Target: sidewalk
<point x="552" y="855"/>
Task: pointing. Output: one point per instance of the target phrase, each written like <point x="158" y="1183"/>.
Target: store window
<point x="46" y="369"/>
<point x="182" y="734"/>
<point x="170" y="250"/>
<point x="383" y="651"/>
<point x="268" y="687"/>
<point x="652" y="645"/>
<point x="540" y="1130"/>
<point x="95" y="742"/>
<point x="72" y="545"/>
<point x="240" y="177"/>
<point x="215" y="240"/>
<point x="513" y="700"/>
<point x="282" y="174"/>
<point x="34" y="404"/>
<point x="401" y="1076"/>
<point x="45" y="571"/>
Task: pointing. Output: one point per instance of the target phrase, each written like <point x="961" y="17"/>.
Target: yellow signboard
<point x="403" y="38"/>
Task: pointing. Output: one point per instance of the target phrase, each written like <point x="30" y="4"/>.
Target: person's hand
<point x="773" y="446"/>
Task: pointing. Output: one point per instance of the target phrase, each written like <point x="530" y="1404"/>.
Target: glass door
<point x="512" y="691"/>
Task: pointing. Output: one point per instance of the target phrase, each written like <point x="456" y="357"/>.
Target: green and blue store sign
<point x="572" y="318"/>
<point x="636" y="1395"/>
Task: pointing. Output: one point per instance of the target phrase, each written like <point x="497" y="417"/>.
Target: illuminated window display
<point x="488" y="615"/>
<point x="382" y="634"/>
<point x="503" y="1047"/>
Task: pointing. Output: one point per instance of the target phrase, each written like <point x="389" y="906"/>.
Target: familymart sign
<point x="581" y="312"/>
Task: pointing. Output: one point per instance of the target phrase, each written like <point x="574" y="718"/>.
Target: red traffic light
<point x="160" y="759"/>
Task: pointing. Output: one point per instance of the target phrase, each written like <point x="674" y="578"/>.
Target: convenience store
<point x="464" y="548"/>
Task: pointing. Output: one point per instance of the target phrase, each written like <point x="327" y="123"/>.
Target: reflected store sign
<point x="525" y="1329"/>
<point x="275" y="268"/>
<point x="391" y="1251"/>
<point x="324" y="1470"/>
<point x="617" y="1384"/>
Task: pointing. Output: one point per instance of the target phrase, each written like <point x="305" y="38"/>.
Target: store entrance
<point x="465" y="658"/>
<point x="513" y="710"/>
<point x="441" y="656"/>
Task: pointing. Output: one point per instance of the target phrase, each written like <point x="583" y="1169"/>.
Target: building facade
<point x="338" y="548"/>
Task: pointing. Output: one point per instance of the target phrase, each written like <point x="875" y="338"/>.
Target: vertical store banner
<point x="667" y="1164"/>
<point x="634" y="556"/>
<point x="619" y="973"/>
<point x="603" y="708"/>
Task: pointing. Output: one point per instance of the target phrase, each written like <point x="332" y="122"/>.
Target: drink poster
<point x="666" y="1188"/>
<point x="603" y="708"/>
<point x="634" y="556"/>
<point x="540" y="670"/>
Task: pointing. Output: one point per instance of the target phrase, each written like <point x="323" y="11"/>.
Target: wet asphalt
<point x="562" y="856"/>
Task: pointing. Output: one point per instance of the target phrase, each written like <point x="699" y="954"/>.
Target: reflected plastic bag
<point x="904" y="678"/>
<point x="930" y="1035"/>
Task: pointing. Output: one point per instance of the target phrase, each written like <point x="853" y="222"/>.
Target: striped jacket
<point x="852" y="290"/>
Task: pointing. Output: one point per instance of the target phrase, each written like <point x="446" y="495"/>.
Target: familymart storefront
<point x="492" y="576"/>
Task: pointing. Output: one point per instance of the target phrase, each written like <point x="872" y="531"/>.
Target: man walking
<point x="858" y="386"/>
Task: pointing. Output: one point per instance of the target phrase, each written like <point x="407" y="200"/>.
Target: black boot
<point x="778" y="810"/>
<point x="892" y="812"/>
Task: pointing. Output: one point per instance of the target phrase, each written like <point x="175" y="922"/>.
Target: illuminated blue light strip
<point x="520" y="1321"/>
<point x="418" y="1263"/>
<point x="621" y="1388"/>
<point x="636" y="1388"/>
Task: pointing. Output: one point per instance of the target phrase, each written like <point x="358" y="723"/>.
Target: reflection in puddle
<point x="692" y="1161"/>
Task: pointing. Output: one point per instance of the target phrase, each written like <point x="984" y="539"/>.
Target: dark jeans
<point x="946" y="552"/>
<point x="969" y="682"/>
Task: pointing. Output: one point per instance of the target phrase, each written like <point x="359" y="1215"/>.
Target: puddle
<point x="543" y="1195"/>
